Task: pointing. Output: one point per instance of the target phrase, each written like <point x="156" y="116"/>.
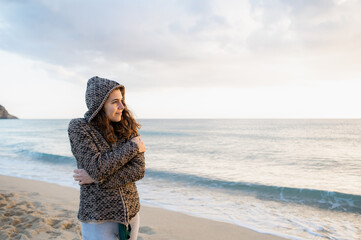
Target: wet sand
<point x="32" y="209"/>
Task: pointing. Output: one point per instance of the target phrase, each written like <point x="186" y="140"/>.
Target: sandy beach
<point x="37" y="210"/>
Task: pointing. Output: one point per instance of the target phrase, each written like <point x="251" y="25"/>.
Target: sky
<point x="184" y="59"/>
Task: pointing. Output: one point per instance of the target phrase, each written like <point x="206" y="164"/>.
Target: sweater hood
<point x="97" y="92"/>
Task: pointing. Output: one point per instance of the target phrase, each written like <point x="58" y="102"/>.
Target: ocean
<point x="299" y="179"/>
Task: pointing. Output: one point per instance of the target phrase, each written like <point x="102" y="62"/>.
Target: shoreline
<point x="33" y="209"/>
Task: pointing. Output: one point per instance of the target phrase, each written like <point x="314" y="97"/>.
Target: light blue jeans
<point x="107" y="231"/>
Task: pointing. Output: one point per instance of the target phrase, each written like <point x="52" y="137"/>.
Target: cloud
<point x="307" y="24"/>
<point x="150" y="44"/>
<point x="65" y="32"/>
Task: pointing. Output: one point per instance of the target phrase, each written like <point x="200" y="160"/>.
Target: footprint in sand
<point x="28" y="219"/>
<point x="66" y="225"/>
<point x="52" y="222"/>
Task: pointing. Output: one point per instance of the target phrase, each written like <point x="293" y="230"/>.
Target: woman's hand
<point x="140" y="143"/>
<point x="82" y="176"/>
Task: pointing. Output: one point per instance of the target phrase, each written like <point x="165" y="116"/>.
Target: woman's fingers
<point x="137" y="139"/>
<point x="141" y="147"/>
<point x="82" y="177"/>
<point x="79" y="174"/>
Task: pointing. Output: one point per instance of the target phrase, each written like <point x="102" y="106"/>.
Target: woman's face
<point x="113" y="106"/>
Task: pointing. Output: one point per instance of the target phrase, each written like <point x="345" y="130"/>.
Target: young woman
<point x="110" y="159"/>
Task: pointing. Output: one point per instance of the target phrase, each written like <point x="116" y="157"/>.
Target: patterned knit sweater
<point x="116" y="168"/>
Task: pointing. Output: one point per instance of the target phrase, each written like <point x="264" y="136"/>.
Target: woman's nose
<point x="121" y="106"/>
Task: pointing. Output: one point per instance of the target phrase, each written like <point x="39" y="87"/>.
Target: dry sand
<point x="37" y="210"/>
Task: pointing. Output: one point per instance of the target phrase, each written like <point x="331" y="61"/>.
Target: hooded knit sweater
<point x="115" y="167"/>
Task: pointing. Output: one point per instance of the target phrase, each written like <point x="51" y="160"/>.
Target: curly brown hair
<point x="127" y="127"/>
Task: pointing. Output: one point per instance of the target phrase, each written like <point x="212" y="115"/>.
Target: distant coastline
<point x="4" y="114"/>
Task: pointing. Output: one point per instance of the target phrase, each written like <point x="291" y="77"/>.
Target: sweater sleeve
<point x="131" y="172"/>
<point x="99" y="165"/>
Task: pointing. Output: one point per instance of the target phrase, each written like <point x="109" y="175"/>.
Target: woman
<point x="110" y="159"/>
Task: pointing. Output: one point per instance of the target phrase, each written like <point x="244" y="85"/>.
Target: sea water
<point x="300" y="179"/>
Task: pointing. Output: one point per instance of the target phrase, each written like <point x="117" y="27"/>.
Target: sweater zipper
<point x="124" y="206"/>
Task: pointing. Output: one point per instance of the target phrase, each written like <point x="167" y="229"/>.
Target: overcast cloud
<point x="168" y="49"/>
<point x="177" y="43"/>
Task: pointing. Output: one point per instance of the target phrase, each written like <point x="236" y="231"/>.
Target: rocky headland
<point x="4" y="114"/>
